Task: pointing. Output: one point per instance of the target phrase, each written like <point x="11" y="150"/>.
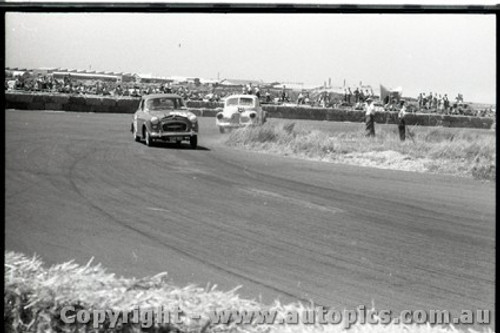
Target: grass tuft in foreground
<point x="34" y="297"/>
<point x="458" y="152"/>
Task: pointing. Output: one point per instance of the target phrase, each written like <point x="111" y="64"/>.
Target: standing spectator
<point x="356" y="95"/>
<point x="434" y="102"/>
<point x="300" y="98"/>
<point x="321" y="99"/>
<point x="307" y="100"/>
<point x="249" y="89"/>
<point x="283" y="95"/>
<point x="257" y="92"/>
<point x="440" y="104"/>
<point x="420" y="100"/>
<point x="369" y="118"/>
<point x="401" y="121"/>
<point x="361" y="96"/>
<point x="268" y="96"/>
<point x="446" y="103"/>
<point x="349" y="95"/>
<point x="429" y="101"/>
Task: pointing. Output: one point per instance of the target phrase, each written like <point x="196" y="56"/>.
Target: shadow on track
<point x="182" y="146"/>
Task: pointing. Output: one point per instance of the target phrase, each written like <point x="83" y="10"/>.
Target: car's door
<point x="139" y="117"/>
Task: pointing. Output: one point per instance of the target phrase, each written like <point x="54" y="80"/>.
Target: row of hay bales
<point x="99" y="104"/>
<point x="308" y="113"/>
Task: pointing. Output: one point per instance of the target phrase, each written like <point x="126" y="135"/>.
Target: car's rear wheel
<point x="221" y="129"/>
<point x="178" y="143"/>
<point x="194" y="141"/>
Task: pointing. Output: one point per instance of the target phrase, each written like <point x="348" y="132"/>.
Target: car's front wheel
<point x="134" y="133"/>
<point x="149" y="139"/>
<point x="194" y="141"/>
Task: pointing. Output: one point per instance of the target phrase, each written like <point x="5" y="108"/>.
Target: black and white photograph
<point x="249" y="168"/>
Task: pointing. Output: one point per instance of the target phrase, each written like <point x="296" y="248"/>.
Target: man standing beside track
<point x="401" y="121"/>
<point x="370" y="117"/>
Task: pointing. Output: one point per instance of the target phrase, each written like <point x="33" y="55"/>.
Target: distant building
<point x="82" y="76"/>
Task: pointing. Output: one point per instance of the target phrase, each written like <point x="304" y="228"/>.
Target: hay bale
<point x="76" y="107"/>
<point x="109" y="101"/>
<point x="16" y="105"/>
<point x="36" y="106"/>
<point x="60" y="99"/>
<point x="54" y="106"/>
<point x="77" y="100"/>
<point x="93" y="100"/>
<point x="25" y="98"/>
<point x="127" y="105"/>
<point x="208" y="113"/>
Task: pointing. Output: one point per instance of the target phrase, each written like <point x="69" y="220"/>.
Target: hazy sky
<point x="420" y="53"/>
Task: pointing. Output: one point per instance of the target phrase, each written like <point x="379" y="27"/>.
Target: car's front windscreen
<point x="156" y="104"/>
<point x="241" y="101"/>
<point x="232" y="101"/>
<point x="246" y="101"/>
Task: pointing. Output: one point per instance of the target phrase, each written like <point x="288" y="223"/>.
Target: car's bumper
<point x="167" y="136"/>
<point x="233" y="125"/>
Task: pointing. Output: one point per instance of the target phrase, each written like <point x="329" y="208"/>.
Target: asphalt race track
<point x="78" y="186"/>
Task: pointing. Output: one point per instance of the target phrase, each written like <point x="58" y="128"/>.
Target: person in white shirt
<point x="370" y="117"/>
<point x="401" y="121"/>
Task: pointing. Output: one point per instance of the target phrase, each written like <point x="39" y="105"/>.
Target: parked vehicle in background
<point x="240" y="111"/>
<point x="164" y="117"/>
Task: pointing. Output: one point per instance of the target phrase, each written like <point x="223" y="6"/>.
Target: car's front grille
<point x="175" y="127"/>
<point x="235" y="118"/>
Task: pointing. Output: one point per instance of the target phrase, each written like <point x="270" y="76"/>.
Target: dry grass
<point x="34" y="296"/>
<point x="459" y="152"/>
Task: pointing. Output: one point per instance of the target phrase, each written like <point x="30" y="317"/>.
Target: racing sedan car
<point x="164" y="117"/>
<point x="240" y="111"/>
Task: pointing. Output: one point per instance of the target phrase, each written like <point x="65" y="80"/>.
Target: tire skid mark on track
<point x="346" y="199"/>
<point x="161" y="242"/>
<point x="158" y="209"/>
<point x="289" y="199"/>
<point x="322" y="192"/>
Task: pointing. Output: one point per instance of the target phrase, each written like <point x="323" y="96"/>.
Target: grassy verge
<point x="34" y="297"/>
<point x="460" y="152"/>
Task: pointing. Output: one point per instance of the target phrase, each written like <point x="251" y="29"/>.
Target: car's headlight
<point x="155" y="120"/>
<point x="253" y="115"/>
<point x="192" y="118"/>
<point x="220" y="116"/>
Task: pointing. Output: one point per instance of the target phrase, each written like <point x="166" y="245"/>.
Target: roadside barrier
<point x="100" y="104"/>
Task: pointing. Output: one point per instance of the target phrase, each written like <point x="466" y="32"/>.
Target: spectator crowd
<point x="425" y="103"/>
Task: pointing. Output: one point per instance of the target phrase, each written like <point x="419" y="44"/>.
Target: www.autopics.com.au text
<point x="319" y="315"/>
